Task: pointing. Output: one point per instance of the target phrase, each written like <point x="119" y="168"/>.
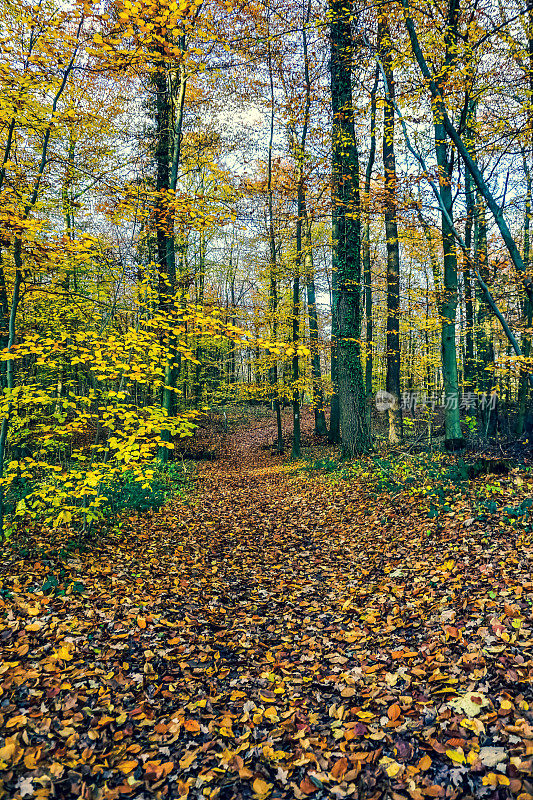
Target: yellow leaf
<point x="474" y="725"/>
<point x="16" y="722"/>
<point x="391" y="767"/>
<point x="127" y="766"/>
<point x="64" y="654"/>
<point x="261" y="787"/>
<point x="187" y="760"/>
<point x="456" y="755"/>
<point x="63" y="518"/>
<point x="271" y="714"/>
<point x="7" y="752"/>
<point x="494" y="779"/>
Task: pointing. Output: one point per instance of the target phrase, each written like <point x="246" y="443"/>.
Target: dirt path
<point x="279" y="636"/>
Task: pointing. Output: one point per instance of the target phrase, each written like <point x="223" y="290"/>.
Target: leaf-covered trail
<point x="280" y="636"/>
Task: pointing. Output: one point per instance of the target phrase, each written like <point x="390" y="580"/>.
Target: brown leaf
<point x="434" y="791"/>
<point x="161" y="727"/>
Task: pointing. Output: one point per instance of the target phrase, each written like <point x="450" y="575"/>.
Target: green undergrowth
<point x="497" y="491"/>
<point x="120" y="499"/>
<point x="129" y="495"/>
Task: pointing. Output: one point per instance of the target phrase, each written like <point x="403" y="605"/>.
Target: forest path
<point x="279" y="635"/>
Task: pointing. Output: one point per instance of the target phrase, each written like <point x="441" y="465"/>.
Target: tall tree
<point x="298" y="147"/>
<point x="391" y="234"/>
<point x="272" y="249"/>
<point x="367" y="270"/>
<point x="346" y="236"/>
<point x="318" y="392"/>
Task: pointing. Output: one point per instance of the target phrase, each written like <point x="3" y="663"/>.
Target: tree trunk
<point x="448" y="306"/>
<point x="485" y="348"/>
<point x="527" y="315"/>
<point x="334" y="435"/>
<point x="367" y="271"/>
<point x="391" y="236"/>
<point x="198" y="382"/>
<point x="296" y="429"/>
<point x="273" y="269"/>
<point x="523" y="387"/>
<point x="347" y="237"/>
<point x="165" y="240"/>
<point x="318" y="393"/>
<point x="469" y="362"/>
<point x="298" y="147"/>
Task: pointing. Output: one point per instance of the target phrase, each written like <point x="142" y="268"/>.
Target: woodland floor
<point x="280" y="635"/>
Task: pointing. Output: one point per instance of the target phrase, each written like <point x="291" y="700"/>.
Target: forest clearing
<point x="278" y="634"/>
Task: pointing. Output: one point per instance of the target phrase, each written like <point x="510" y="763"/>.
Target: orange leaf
<point x="153" y="770"/>
<point x="339" y="768"/>
<point x="511" y="611"/>
<point x="244" y="773"/>
<point x="425" y="763"/>
<point x="141" y="622"/>
<point x="192" y="725"/>
<point x="434" y="791"/>
<point x="394" y="712"/>
<point x="307" y="786"/>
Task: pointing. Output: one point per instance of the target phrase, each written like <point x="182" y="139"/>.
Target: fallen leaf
<point x="127" y="766"/>
<point x="393" y="712"/>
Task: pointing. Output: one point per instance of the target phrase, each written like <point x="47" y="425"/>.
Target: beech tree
<point x="346" y="236"/>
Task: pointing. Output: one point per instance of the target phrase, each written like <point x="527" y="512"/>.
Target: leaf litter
<point x="281" y="635"/>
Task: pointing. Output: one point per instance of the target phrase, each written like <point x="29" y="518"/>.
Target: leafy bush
<point x="430" y="474"/>
<point x="79" y="499"/>
<point x="129" y="494"/>
<point x="521" y="513"/>
<point x="326" y="464"/>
